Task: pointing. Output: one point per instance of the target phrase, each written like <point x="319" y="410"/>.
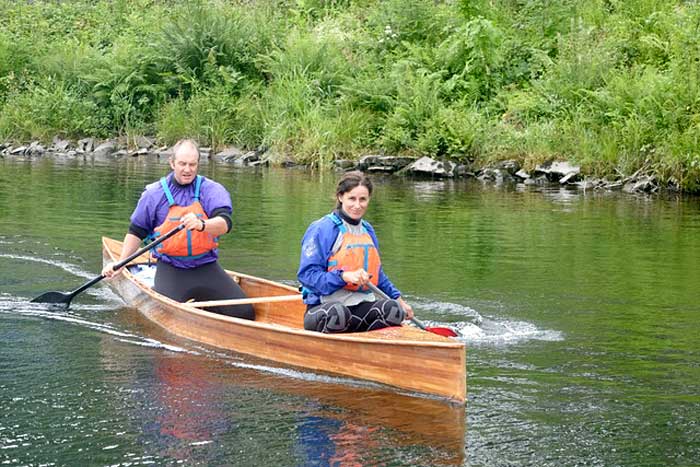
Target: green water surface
<point x="580" y="313"/>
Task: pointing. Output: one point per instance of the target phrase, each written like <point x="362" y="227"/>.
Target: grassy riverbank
<point x="611" y="85"/>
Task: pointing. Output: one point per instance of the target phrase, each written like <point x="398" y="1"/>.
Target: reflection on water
<point x="580" y="315"/>
<point x="204" y="395"/>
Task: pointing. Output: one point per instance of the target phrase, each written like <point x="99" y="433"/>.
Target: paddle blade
<point x="53" y="297"/>
<point x="447" y="332"/>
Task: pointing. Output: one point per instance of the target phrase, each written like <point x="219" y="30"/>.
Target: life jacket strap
<point x="337" y="221"/>
<point x="341" y="225"/>
<point x="169" y="195"/>
<point x="197" y="185"/>
<point x="166" y="190"/>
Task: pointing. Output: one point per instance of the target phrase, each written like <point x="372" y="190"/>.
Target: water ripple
<point x="61" y="264"/>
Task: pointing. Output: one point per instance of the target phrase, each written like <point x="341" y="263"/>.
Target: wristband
<point x="203" y="225"/>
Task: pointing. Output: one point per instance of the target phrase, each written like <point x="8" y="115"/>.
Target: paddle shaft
<point x="150" y="246"/>
<point x="58" y="297"/>
<point x="131" y="257"/>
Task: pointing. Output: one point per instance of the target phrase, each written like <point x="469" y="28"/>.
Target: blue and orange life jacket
<point x="184" y="247"/>
<point x="356" y="251"/>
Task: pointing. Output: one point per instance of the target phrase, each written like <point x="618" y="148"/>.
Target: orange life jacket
<point x="194" y="244"/>
<point x="356" y="251"/>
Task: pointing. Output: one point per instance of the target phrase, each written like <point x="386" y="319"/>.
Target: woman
<point x="339" y="256"/>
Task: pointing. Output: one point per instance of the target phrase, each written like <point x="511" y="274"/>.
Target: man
<point x="187" y="265"/>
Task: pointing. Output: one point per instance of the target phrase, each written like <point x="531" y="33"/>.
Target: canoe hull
<point x="403" y="357"/>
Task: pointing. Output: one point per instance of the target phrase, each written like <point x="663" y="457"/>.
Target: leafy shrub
<point x="311" y="10"/>
<point x="371" y="89"/>
<point x="200" y="39"/>
<point x="319" y="62"/>
<point x="68" y="61"/>
<point x="417" y="100"/>
<point x="321" y="135"/>
<point x="15" y="58"/>
<point x="48" y="108"/>
<point x="128" y="83"/>
<point x="454" y="131"/>
<point x="472" y="59"/>
<point x="394" y="22"/>
<point x="291" y="118"/>
<point x="208" y="116"/>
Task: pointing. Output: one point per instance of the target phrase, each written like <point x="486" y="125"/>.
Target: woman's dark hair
<point x="350" y="181"/>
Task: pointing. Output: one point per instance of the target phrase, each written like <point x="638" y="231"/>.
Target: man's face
<point x="185" y="164"/>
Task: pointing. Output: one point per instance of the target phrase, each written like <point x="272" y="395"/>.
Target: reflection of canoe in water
<point x="403" y="357"/>
<point x="192" y="397"/>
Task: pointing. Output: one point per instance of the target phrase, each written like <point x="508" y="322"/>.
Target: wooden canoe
<point x="403" y="357"/>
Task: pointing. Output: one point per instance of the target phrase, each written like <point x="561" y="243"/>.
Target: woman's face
<point x="355" y="202"/>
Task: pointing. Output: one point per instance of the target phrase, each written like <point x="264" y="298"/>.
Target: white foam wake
<point x="20" y="307"/>
<point x="65" y="266"/>
<point x="474" y="328"/>
<point x="504" y="332"/>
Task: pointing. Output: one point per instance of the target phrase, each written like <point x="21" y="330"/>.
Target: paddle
<point x="65" y="298"/>
<point x="447" y="332"/>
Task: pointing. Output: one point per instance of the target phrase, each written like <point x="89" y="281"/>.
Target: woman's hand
<point x="357" y="277"/>
<point x="406" y="307"/>
<point x="192" y="222"/>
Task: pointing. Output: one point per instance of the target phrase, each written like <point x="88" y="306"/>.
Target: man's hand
<point x="109" y="272"/>
<point x="129" y="247"/>
<point x="192" y="222"/>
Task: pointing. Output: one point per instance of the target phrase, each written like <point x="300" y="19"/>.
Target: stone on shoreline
<point x="59" y="145"/>
<point x="378" y="163"/>
<point x="556" y="170"/>
<point x="85" y="145"/>
<point x="507" y="171"/>
<point x="106" y="149"/>
<point x="428" y="166"/>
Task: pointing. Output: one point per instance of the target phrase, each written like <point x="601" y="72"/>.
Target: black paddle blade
<point x="53" y="297"/>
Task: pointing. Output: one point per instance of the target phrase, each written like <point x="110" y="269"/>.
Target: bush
<point x="128" y="83"/>
<point x="318" y="62"/>
<point x="394" y="23"/>
<point x="416" y="102"/>
<point x="454" y="131"/>
<point x="609" y="84"/>
<point x="209" y="116"/>
<point x="201" y="38"/>
<point x="472" y="59"/>
<point x="50" y="108"/>
<point x="291" y="118"/>
<point x="15" y="58"/>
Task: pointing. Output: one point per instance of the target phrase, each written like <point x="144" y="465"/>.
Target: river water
<point x="580" y="313"/>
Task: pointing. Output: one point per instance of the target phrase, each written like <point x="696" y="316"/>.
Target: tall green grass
<point x="609" y="84"/>
<point x="50" y="108"/>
